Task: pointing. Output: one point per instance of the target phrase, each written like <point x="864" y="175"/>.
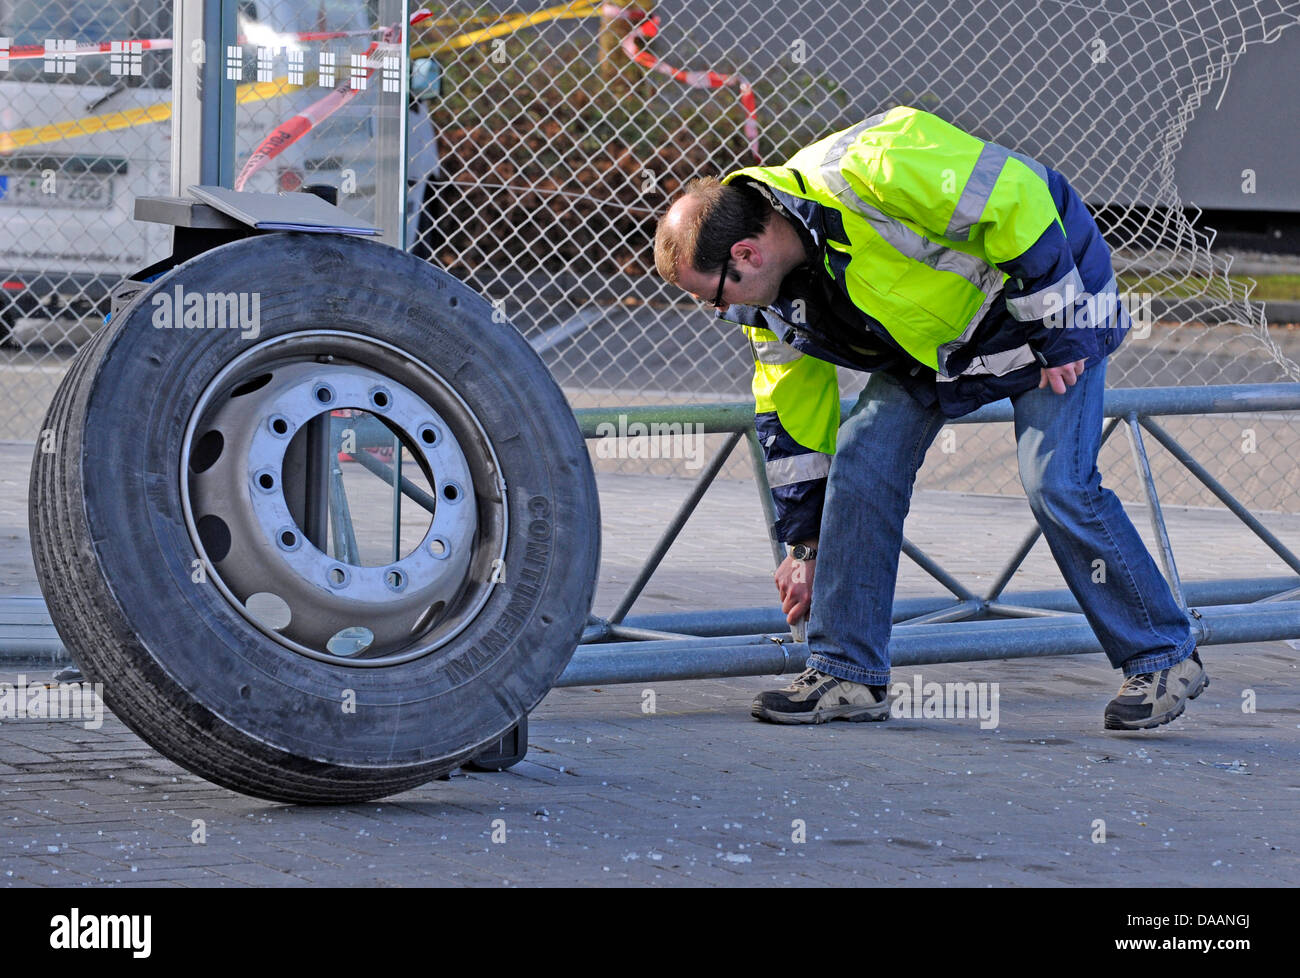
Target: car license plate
<point x="82" y="191"/>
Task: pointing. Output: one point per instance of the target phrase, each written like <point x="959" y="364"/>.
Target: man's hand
<point x="794" y="580"/>
<point x="1061" y="377"/>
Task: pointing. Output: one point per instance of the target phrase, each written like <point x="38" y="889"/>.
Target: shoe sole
<point x="1113" y="723"/>
<point x="854" y="714"/>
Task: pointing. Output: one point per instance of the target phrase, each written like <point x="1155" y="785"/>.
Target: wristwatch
<point x="804" y="552"/>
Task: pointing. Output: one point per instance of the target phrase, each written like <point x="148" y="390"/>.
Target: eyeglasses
<point x="722" y="282"/>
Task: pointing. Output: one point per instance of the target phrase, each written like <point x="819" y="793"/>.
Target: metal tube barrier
<point x="1022" y="551"/>
<point x="674" y="527"/>
<point x="1225" y="497"/>
<point x="964" y="627"/>
<point x="388" y="472"/>
<point x="769" y="620"/>
<point x="910" y="645"/>
<point x="1143" y="465"/>
<point x="765" y="495"/>
<point x="1119" y="403"/>
<point x="397" y="498"/>
<point x="341" y="530"/>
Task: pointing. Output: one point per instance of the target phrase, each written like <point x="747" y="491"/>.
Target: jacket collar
<point x="818" y="221"/>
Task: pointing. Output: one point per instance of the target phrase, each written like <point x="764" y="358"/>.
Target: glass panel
<point x="320" y="102"/>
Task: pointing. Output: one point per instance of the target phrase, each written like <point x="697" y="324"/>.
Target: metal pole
<point x="306" y="480"/>
<point x="1019" y="611"/>
<point x="626" y="633"/>
<point x="397" y="498"/>
<point x="1157" y="516"/>
<point x="1283" y="596"/>
<point x="1119" y="403"/>
<point x="1225" y="497"/>
<point x="203" y="100"/>
<point x="768" y="619"/>
<point x="601" y="630"/>
<point x="927" y="564"/>
<point x="1028" y="543"/>
<point x="1016" y="560"/>
<point x="345" y="540"/>
<point x="957" y="612"/>
<point x="759" y="462"/>
<point x="390" y="121"/>
<point x="385" y="472"/>
<point x="674" y="527"/>
<point x="909" y="646"/>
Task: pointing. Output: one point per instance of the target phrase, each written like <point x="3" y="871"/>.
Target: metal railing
<point x="959" y="626"/>
<point x="966" y="626"/>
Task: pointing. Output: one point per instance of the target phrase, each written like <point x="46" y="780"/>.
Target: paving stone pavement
<point x="696" y="793"/>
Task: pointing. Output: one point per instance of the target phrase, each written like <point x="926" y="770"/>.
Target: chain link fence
<point x="559" y="151"/>
<point x="537" y="169"/>
<point x="76" y="148"/>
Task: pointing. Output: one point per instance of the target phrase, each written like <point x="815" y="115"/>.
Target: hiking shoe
<point x="816" y="697"/>
<point x="1152" y="698"/>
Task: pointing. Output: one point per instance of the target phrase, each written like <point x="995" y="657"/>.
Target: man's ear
<point x="747" y="250"/>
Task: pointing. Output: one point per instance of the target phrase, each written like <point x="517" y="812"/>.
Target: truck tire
<point x="180" y="483"/>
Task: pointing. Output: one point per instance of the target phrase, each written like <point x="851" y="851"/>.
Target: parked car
<point x="66" y="205"/>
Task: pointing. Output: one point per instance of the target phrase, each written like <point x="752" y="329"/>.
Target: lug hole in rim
<point x="266" y="480"/>
<point x="451" y="492"/>
<point x="395" y="579"/>
<point x="380" y="398"/>
<point x="324" y="393"/>
<point x="337" y="576"/>
<point x="269" y="609"/>
<point x="438" y="547"/>
<point x="207" y="451"/>
<point x="288" y="538"/>
<point x="253" y="384"/>
<point x="428" y="434"/>
<point x="278" y="424"/>
<point x="350" y="641"/>
<point x="430" y="614"/>
<point x="214" y="534"/>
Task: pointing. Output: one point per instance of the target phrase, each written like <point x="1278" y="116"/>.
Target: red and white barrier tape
<point x="25" y="52"/>
<point x="31" y="51"/>
<point x="647" y="26"/>
<point x="289" y="132"/>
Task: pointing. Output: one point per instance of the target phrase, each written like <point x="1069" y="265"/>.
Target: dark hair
<point x="727" y="213"/>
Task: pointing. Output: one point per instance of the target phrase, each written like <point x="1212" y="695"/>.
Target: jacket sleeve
<point x="797" y="416"/>
<point x="1023" y="235"/>
<point x="1001" y="203"/>
<point x="797" y="477"/>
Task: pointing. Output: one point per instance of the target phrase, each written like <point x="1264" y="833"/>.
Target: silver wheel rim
<point x="247" y="490"/>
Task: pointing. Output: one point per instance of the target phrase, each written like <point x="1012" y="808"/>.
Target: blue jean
<point x="879" y="449"/>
